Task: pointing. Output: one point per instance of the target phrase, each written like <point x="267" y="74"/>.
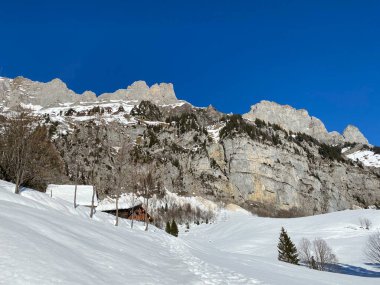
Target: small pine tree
<point x="168" y="228"/>
<point x="174" y="229"/>
<point x="287" y="251"/>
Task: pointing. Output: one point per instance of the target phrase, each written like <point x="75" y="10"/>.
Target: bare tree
<point x="147" y="183"/>
<point x="317" y="255"/>
<point x="324" y="255"/>
<point x="134" y="186"/>
<point x="93" y="202"/>
<point x="94" y="165"/>
<point x="304" y="250"/>
<point x="76" y="185"/>
<point x="117" y="209"/>
<point x="75" y="195"/>
<point x="120" y="162"/>
<point x="372" y="249"/>
<point x="27" y="155"/>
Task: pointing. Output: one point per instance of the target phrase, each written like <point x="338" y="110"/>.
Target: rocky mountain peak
<point x="296" y="121"/>
<point x="288" y="118"/>
<point x="354" y="135"/>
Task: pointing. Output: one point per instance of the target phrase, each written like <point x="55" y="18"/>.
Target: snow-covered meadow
<point x="44" y="240"/>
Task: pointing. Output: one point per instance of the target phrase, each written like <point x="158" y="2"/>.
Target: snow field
<point x="44" y="240"/>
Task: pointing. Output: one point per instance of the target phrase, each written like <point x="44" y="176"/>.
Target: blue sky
<point x="323" y="56"/>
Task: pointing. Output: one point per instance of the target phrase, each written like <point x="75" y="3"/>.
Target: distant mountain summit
<point x="23" y="91"/>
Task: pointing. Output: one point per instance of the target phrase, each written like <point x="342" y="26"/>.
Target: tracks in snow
<point x="209" y="274"/>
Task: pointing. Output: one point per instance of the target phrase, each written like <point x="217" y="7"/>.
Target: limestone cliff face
<point x="276" y="176"/>
<point x="300" y="121"/>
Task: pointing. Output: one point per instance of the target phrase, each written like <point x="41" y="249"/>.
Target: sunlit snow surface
<point x="44" y="240"/>
<point x="367" y="157"/>
<point x="214" y="131"/>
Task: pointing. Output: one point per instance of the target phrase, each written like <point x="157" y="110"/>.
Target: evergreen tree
<point x="168" y="228"/>
<point x="174" y="229"/>
<point x="287" y="251"/>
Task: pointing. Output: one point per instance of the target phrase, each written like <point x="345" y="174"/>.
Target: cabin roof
<point x="125" y="202"/>
<point x="66" y="192"/>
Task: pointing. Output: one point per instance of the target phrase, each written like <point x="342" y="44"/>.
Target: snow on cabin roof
<point x="126" y="201"/>
<point x="66" y="192"/>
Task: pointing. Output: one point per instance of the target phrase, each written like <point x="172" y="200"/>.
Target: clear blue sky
<point x="323" y="56"/>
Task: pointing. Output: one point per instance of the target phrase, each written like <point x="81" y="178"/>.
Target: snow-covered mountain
<point x="44" y="240"/>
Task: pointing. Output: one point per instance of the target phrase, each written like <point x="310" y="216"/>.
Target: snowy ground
<point x="45" y="240"/>
<point x="367" y="157"/>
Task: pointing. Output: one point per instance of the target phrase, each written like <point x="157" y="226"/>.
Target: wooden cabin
<point x="128" y="207"/>
<point x="136" y="213"/>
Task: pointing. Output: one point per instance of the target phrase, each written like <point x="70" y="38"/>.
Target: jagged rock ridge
<point x="20" y="90"/>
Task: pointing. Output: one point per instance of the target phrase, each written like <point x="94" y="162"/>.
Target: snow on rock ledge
<point x="367" y="157"/>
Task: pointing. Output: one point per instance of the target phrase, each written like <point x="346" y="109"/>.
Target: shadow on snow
<point x="355" y="270"/>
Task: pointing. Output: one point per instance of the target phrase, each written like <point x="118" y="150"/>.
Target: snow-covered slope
<point x="367" y="157"/>
<point x="45" y="240"/>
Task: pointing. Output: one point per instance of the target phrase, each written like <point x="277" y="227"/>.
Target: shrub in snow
<point x="317" y="255"/>
<point x="287" y="251"/>
<point x="365" y="223"/>
<point x="171" y="228"/>
<point x="174" y="229"/>
<point x="372" y="249"/>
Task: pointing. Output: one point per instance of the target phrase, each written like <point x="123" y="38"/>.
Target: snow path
<point x="210" y="274"/>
